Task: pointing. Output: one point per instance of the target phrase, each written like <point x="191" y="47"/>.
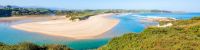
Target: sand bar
<point x="90" y="28"/>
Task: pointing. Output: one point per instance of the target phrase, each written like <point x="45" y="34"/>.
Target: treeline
<point x="31" y="46"/>
<point x="19" y="11"/>
<point x="183" y="35"/>
<point x="5" y="12"/>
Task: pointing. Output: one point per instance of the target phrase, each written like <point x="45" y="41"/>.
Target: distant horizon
<point x="169" y="5"/>
<point x="54" y="8"/>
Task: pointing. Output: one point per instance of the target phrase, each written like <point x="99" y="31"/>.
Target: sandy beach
<point x="90" y="28"/>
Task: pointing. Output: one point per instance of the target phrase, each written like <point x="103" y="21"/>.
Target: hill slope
<point x="183" y="35"/>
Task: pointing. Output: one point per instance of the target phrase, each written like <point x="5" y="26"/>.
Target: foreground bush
<point x="57" y="47"/>
<point x="183" y="35"/>
<point x="196" y="18"/>
<point x="31" y="46"/>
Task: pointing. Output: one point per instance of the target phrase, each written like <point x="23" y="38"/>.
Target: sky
<point x="171" y="5"/>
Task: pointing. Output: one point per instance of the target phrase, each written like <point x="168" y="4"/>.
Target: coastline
<point x="85" y="29"/>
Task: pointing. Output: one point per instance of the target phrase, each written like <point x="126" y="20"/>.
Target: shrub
<point x="196" y="18"/>
<point x="2" y="44"/>
<point x="31" y="46"/>
<point x="57" y="47"/>
<point x="27" y="46"/>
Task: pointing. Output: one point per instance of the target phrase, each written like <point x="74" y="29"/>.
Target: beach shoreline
<point x="85" y="29"/>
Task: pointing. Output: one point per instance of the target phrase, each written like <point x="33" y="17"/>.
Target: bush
<point x="57" y="47"/>
<point x="196" y="18"/>
<point x="31" y="46"/>
<point x="27" y="46"/>
<point x="2" y="44"/>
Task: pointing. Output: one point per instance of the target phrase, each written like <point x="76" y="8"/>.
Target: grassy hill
<point x="183" y="35"/>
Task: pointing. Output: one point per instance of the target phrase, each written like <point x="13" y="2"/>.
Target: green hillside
<point x="183" y="35"/>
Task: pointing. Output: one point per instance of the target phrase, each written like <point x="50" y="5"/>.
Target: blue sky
<point x="172" y="5"/>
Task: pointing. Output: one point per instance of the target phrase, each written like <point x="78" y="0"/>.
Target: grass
<point x="183" y="35"/>
<point x="31" y="46"/>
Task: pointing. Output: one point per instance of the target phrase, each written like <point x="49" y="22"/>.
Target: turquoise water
<point x="173" y="15"/>
<point x="128" y="23"/>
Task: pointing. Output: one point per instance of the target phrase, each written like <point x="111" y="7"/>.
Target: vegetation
<point x="9" y="10"/>
<point x="18" y="11"/>
<point x="4" y="12"/>
<point x="80" y="15"/>
<point x="31" y="46"/>
<point x="196" y="18"/>
<point x="183" y="35"/>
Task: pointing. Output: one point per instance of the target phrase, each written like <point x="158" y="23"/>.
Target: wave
<point x="123" y="14"/>
<point x="140" y="16"/>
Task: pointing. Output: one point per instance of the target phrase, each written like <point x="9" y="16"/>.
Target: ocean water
<point x="128" y="23"/>
<point x="182" y="16"/>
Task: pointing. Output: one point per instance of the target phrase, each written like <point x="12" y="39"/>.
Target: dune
<point x="85" y="29"/>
